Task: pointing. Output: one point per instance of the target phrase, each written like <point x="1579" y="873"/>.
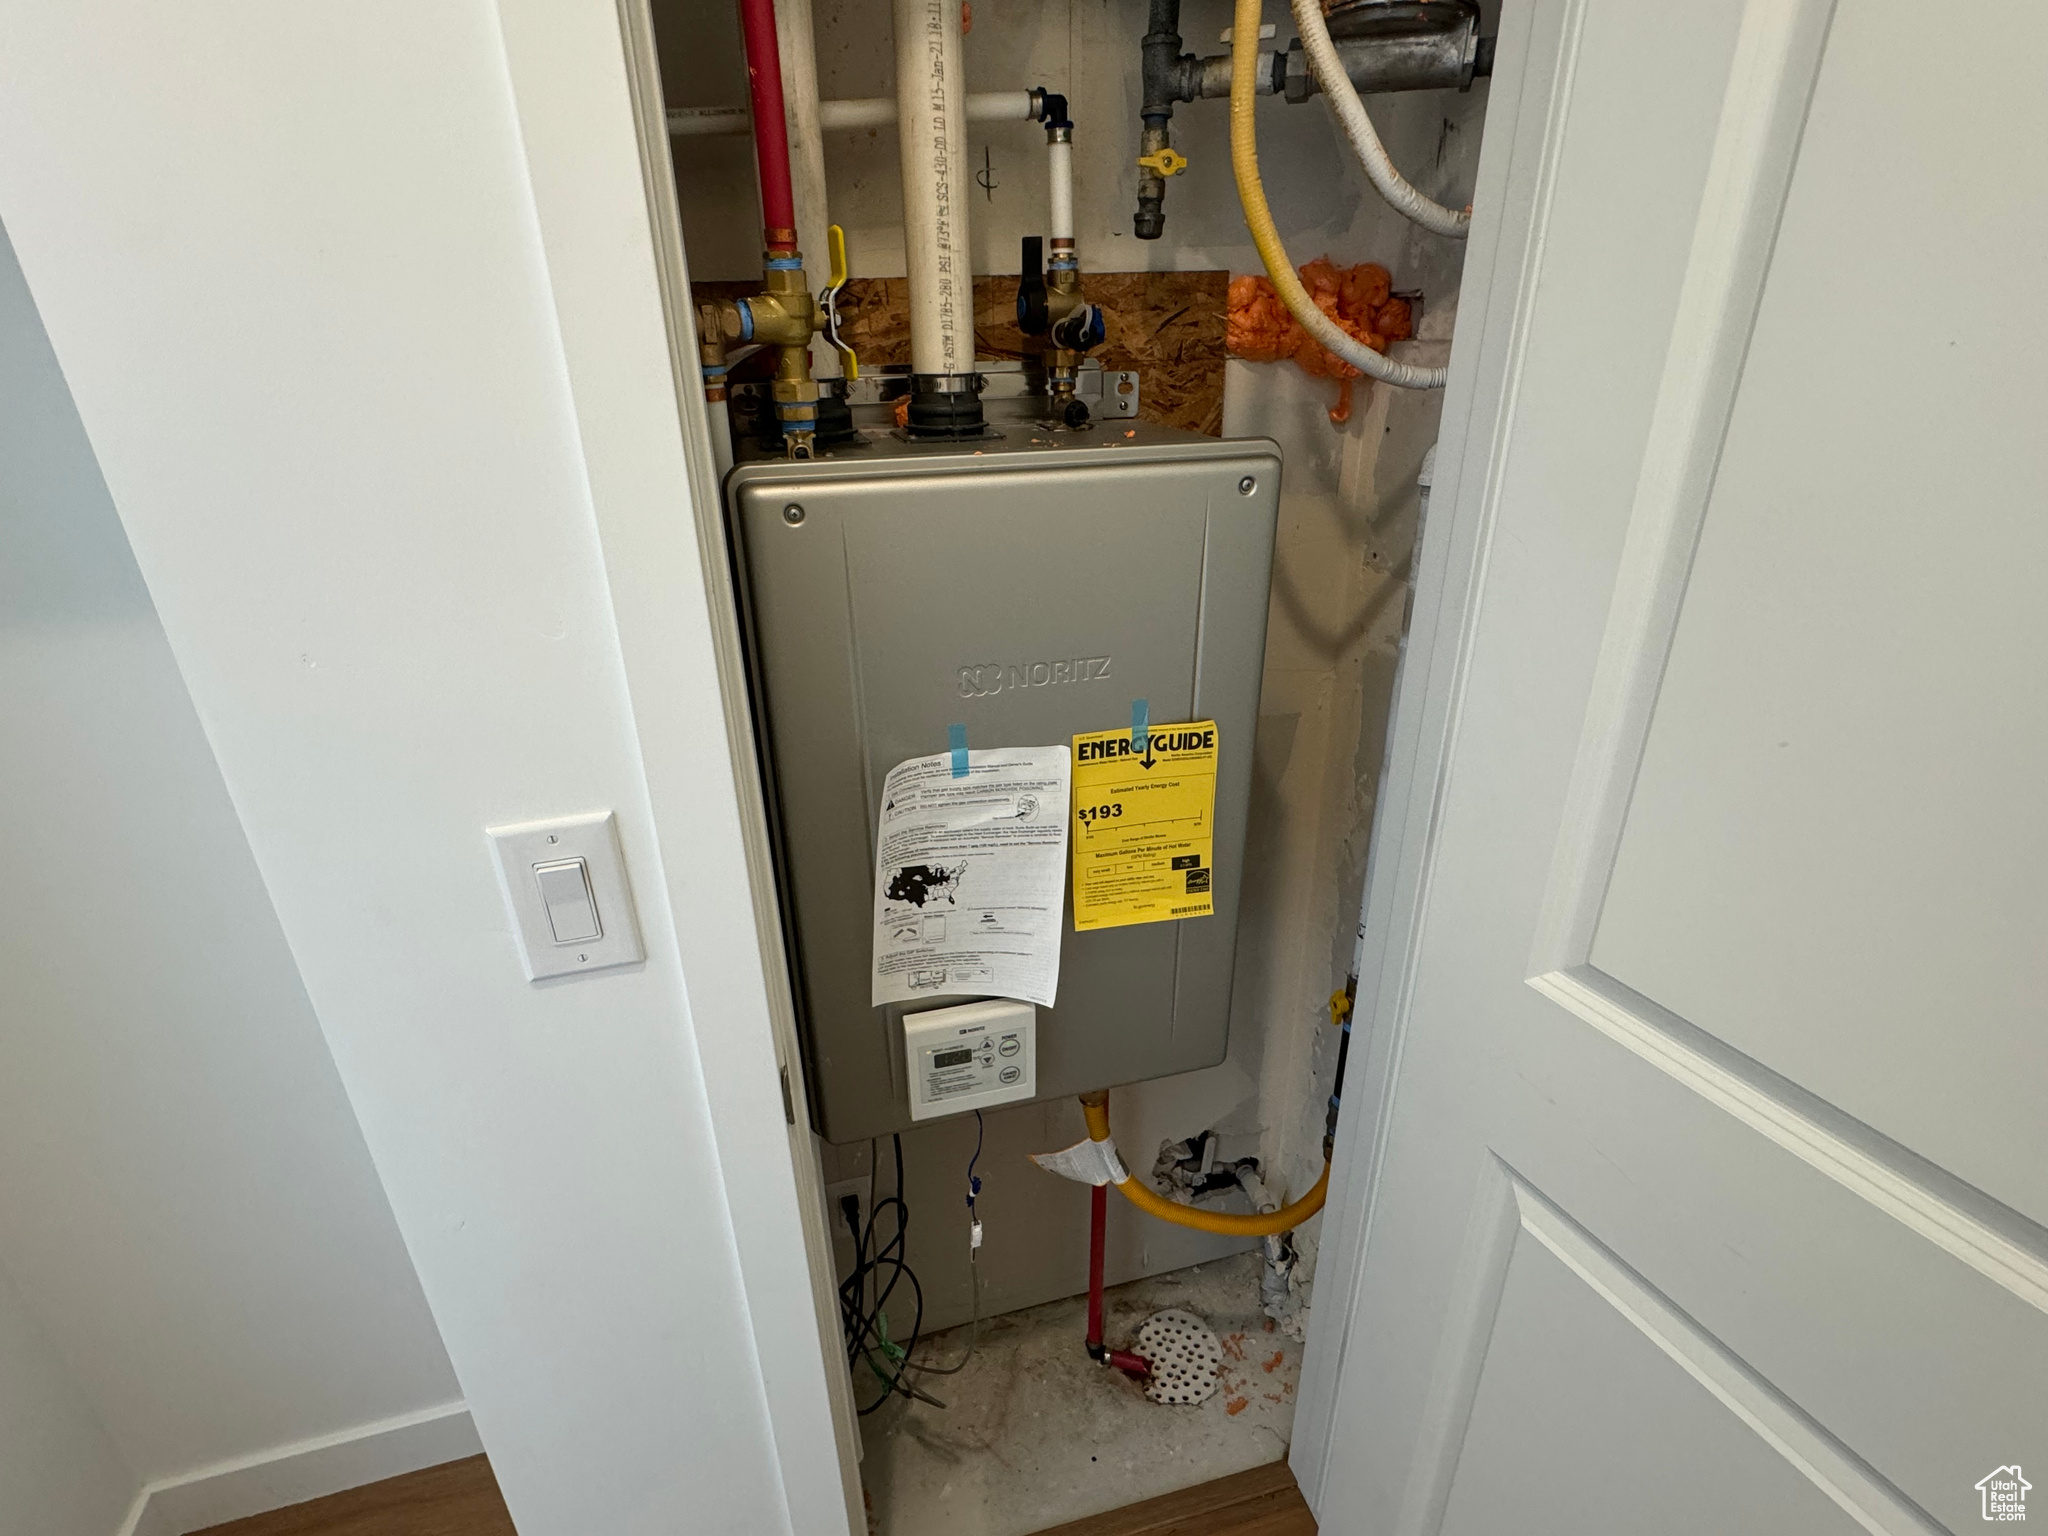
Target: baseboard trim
<point x="306" y="1469"/>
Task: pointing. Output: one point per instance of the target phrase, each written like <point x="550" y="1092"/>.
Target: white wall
<point x="59" y="1473"/>
<point x="291" y="263"/>
<point x="185" y="1198"/>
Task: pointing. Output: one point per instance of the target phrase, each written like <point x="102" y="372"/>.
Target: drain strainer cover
<point x="1187" y="1359"/>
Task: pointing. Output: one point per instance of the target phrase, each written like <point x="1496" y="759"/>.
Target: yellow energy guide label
<point x="1144" y="837"/>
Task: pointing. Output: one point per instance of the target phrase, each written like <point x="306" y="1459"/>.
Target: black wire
<point x="861" y="1318"/>
<point x="894" y="1255"/>
<point x="868" y="1318"/>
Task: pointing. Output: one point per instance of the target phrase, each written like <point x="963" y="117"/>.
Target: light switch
<point x="565" y="891"/>
<point x="564" y="883"/>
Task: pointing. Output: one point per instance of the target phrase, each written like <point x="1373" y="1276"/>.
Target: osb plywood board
<point x="1165" y="326"/>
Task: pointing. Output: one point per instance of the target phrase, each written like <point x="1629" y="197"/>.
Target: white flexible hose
<point x="1342" y="98"/>
<point x="1258" y="217"/>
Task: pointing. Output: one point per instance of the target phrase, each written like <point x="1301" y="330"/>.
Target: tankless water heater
<point x="1029" y="588"/>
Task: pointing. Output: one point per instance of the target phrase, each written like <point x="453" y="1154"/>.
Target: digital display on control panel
<point x="958" y="1058"/>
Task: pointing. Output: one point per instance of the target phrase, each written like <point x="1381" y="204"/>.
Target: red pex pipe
<point x="1098" y="1217"/>
<point x="1137" y="1367"/>
<point x="771" y="128"/>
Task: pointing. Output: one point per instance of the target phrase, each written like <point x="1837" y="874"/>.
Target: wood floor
<point x="1261" y="1502"/>
<point x="461" y="1499"/>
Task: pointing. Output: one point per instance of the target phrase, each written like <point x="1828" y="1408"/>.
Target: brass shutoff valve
<point x="783" y="316"/>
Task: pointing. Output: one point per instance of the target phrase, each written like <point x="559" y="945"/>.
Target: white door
<point x="1710" y="1047"/>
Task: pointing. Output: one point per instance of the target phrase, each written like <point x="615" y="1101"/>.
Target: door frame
<point x="1527" y="107"/>
<point x="585" y="81"/>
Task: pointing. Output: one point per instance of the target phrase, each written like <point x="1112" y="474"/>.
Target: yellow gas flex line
<point x="1251" y="192"/>
<point x="1266" y="1224"/>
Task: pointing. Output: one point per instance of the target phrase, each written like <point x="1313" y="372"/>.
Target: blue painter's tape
<point x="1140" y="725"/>
<point x="956" y="738"/>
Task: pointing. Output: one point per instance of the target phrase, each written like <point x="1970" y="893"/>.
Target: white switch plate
<point x="533" y="845"/>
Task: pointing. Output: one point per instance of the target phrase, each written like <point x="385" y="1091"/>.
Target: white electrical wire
<point x="1342" y="98"/>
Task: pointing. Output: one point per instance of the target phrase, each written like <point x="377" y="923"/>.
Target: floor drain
<point x="1186" y="1356"/>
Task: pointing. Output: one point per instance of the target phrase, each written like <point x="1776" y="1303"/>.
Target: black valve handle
<point x="1033" y="318"/>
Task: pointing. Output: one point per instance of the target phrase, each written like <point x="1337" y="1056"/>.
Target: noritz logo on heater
<point x="991" y="677"/>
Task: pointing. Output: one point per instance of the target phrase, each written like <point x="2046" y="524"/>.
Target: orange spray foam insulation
<point x="1359" y="299"/>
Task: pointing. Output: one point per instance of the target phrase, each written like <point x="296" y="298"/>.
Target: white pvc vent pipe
<point x="932" y="134"/>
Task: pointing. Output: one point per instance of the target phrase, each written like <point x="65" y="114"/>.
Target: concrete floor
<point x="1034" y="1433"/>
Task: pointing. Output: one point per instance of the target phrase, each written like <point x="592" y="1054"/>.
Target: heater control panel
<point x="970" y="1056"/>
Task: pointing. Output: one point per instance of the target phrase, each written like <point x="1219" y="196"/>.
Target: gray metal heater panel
<point x="916" y="589"/>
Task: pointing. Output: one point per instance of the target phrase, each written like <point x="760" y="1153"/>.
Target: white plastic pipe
<point x="1342" y="98"/>
<point x="721" y="436"/>
<point x="806" y="159"/>
<point x="705" y="122"/>
<point x="1000" y="106"/>
<point x="865" y="112"/>
<point x="932" y="134"/>
<point x="880" y="111"/>
<point x="859" y="112"/>
<point x="1061" y="154"/>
